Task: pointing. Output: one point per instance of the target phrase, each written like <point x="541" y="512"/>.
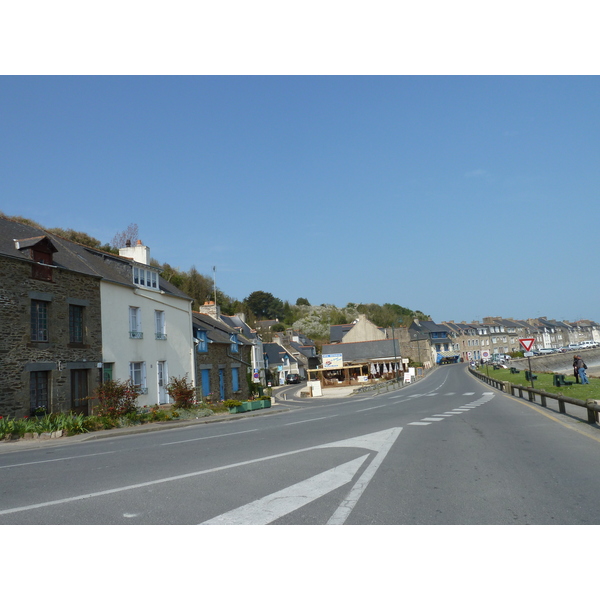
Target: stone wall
<point x="220" y="357"/>
<point x="20" y="356"/>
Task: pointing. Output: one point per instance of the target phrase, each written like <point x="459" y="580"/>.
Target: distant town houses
<point x="427" y="343"/>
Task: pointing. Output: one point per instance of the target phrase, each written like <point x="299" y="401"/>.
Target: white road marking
<point x="381" y="440"/>
<point x="39" y="462"/>
<point x="434" y="394"/>
<point x="345" y="508"/>
<point x="449" y="393"/>
<point x="433" y="419"/>
<point x="209" y="437"/>
<point x="274" y="506"/>
<point x="370" y="408"/>
<point x="415" y="423"/>
<point x="469" y="394"/>
<point x="308" y="420"/>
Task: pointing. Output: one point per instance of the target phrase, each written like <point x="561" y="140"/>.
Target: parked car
<point x="586" y="345"/>
<point x="547" y="350"/>
<point x="574" y="347"/>
<point x="293" y="378"/>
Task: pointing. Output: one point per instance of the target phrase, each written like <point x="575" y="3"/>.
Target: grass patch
<point x="545" y="382"/>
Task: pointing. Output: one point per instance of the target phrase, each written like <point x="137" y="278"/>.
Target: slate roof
<point x="356" y="352"/>
<point x="337" y="332"/>
<point x="217" y="331"/>
<point x="73" y="256"/>
<point x="275" y="354"/>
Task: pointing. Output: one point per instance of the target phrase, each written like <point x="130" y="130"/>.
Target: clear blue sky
<point x="462" y="197"/>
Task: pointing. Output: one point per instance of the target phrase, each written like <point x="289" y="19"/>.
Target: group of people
<point x="579" y="368"/>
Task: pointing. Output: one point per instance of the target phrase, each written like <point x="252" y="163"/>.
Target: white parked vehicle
<point x="586" y="345"/>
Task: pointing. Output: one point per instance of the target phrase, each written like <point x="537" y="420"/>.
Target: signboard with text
<point x="333" y="361"/>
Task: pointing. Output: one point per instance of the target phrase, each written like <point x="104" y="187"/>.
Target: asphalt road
<point x="445" y="450"/>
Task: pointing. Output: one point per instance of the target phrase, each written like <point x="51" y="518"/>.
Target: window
<point x="38" y="390"/>
<point x="137" y="374"/>
<point x="159" y="320"/>
<point x="40" y="270"/>
<point x="235" y="379"/>
<point x="145" y="277"/>
<point x="135" y="323"/>
<point x="39" y="321"/>
<point x="202" y="338"/>
<point x="234" y="342"/>
<point x="75" y="324"/>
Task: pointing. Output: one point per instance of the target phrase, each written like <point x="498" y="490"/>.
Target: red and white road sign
<point x="527" y="343"/>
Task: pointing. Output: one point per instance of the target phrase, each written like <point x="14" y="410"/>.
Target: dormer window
<point x="233" y="338"/>
<point x="202" y="338"/>
<point x="145" y="278"/>
<point x="40" y="250"/>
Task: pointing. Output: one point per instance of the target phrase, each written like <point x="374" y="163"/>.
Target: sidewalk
<point x="22" y="444"/>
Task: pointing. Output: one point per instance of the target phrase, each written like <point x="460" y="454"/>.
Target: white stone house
<point x="146" y="325"/>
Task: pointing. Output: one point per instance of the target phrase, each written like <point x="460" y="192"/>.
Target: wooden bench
<point x="514" y="370"/>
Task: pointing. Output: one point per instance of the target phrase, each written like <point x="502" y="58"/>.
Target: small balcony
<point x="161" y="336"/>
<point x="136" y="335"/>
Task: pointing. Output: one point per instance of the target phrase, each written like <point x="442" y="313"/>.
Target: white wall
<point x="118" y="348"/>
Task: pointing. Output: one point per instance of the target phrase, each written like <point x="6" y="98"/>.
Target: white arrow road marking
<point x="272" y="507"/>
<point x="386" y="440"/>
<point x="378" y="442"/>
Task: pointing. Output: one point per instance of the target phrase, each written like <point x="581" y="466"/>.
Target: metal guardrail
<point x="592" y="406"/>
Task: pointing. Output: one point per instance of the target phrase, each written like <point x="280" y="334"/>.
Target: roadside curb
<point x="22" y="444"/>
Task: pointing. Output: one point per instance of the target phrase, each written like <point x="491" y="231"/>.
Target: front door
<point x="161" y="370"/>
<point x="222" y="383"/>
<point x="79" y="391"/>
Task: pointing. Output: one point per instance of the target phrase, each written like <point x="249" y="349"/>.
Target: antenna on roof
<point x="215" y="283"/>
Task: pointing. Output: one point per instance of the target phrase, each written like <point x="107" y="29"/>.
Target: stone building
<point x="223" y="359"/>
<point x="50" y="323"/>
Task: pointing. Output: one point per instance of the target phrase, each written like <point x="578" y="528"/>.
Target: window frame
<point x="39" y="312"/>
<point x="76" y="324"/>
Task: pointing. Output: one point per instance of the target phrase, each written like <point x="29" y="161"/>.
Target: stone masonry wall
<point x="216" y="358"/>
<point x="20" y="356"/>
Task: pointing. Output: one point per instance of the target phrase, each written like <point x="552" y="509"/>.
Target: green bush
<point x="231" y="403"/>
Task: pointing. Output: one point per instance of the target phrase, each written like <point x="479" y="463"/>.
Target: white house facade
<point x="146" y="328"/>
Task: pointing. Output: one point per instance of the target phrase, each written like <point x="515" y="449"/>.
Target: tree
<point x="302" y="302"/>
<point x="264" y="305"/>
<point x="131" y="234"/>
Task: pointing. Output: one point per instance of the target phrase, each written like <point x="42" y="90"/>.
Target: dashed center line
<point x="456" y="411"/>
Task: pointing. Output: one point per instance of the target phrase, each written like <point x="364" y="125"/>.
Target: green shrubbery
<point x="115" y="407"/>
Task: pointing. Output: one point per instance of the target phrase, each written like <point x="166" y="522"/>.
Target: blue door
<point x="222" y="383"/>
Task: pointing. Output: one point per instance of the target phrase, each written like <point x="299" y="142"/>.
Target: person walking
<point x="575" y="369"/>
<point x="581" y="367"/>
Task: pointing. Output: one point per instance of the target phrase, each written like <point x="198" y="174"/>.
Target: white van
<point x="585" y="345"/>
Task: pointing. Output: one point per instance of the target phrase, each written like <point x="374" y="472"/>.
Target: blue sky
<point x="460" y="196"/>
<point x="434" y="156"/>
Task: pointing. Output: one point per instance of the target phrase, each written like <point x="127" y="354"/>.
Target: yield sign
<point x="527" y="343"/>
